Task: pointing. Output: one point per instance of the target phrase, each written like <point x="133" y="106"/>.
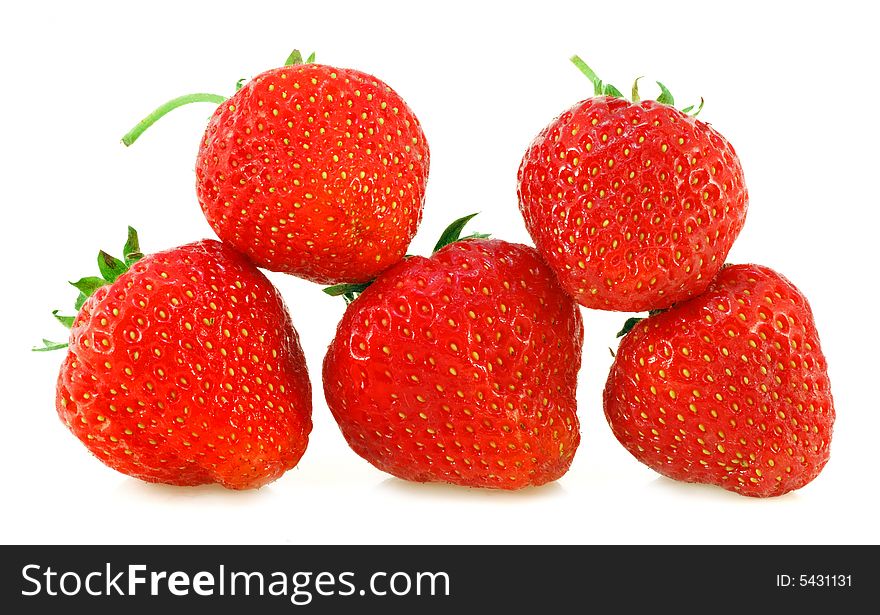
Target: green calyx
<point x="349" y="292"/>
<point x="49" y="345"/>
<point x="600" y="88"/>
<point x="630" y="323"/>
<point x="159" y="112"/>
<point x="450" y="234"/>
<point x="295" y="58"/>
<point x="110" y="269"/>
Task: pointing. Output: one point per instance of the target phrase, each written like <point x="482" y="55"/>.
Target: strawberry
<point x="634" y="205"/>
<point x="729" y="388"/>
<point x="461" y="367"/>
<point x="312" y="170"/>
<point x="185" y="369"/>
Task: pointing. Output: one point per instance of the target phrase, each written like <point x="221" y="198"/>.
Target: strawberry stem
<point x="590" y="74"/>
<point x="599" y="87"/>
<point x="132" y="135"/>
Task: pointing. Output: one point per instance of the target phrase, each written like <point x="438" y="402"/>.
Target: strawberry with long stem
<point x="633" y="204"/>
<point x="312" y="170"/>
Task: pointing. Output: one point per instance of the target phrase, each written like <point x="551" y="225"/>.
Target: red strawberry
<point x="729" y="388"/>
<point x="186" y="370"/>
<point x="462" y="368"/>
<point x="315" y="171"/>
<point x="634" y="205"/>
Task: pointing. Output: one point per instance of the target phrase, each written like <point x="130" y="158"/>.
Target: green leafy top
<point x="600" y="88"/>
<point x="296" y="58"/>
<point x="630" y="323"/>
<point x="110" y="269"/>
<point x="451" y="234"/>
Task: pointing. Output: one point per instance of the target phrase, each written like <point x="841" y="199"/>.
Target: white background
<point x="792" y="86"/>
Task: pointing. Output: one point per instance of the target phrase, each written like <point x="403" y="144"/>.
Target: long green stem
<point x="599" y="87"/>
<point x="132" y="135"/>
<point x="590" y="74"/>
